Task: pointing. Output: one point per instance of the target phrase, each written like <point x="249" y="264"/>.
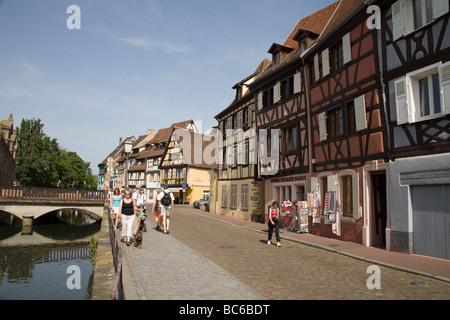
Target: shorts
<point x="115" y="210"/>
<point x="165" y="211"/>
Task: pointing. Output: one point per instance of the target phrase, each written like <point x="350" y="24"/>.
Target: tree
<point x="36" y="156"/>
<point x="42" y="163"/>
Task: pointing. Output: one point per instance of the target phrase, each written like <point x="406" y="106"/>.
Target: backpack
<point x="166" y="199"/>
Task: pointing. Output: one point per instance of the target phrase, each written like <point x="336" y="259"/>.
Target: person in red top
<point x="274" y="218"/>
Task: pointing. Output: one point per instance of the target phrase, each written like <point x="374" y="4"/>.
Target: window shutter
<point x="360" y="113"/>
<point x="331" y="183"/>
<point x="407" y="11"/>
<point x="325" y="62"/>
<point x="276" y="92"/>
<point x="440" y="7"/>
<point x="397" y="20"/>
<point x="252" y="149"/>
<point x="322" y="126"/>
<point x="250" y="115"/>
<point x="355" y="195"/>
<point x="445" y="90"/>
<point x="221" y="123"/>
<point x="239" y="119"/>
<point x="401" y="101"/>
<point x="260" y="99"/>
<point x="297" y="82"/>
<point x="229" y="124"/>
<point x="316" y="67"/>
<point x="346" y="48"/>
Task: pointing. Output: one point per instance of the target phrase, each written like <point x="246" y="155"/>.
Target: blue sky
<point x="134" y="65"/>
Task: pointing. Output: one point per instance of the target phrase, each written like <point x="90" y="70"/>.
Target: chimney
<point x="120" y="140"/>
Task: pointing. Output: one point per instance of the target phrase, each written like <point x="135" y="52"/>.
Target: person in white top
<point x="140" y="199"/>
<point x="166" y="200"/>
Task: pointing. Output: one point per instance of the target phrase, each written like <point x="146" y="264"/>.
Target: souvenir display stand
<point x="303" y="225"/>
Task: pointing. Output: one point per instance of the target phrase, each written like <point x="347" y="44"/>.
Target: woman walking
<point x="274" y="218"/>
<point x="114" y="206"/>
<point x="128" y="211"/>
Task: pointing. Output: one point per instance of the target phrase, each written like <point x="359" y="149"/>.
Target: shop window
<point x="347" y="201"/>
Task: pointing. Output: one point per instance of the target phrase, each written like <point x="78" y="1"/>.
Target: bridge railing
<point x="52" y="194"/>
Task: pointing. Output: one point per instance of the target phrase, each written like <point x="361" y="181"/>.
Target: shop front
<point x="289" y="192"/>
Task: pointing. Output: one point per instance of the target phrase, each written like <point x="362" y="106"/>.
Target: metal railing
<point x="117" y="292"/>
<point x="52" y="194"/>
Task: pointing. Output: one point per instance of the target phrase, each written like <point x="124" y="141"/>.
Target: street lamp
<point x="127" y="148"/>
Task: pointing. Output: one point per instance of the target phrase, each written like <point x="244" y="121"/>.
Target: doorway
<point x="379" y="210"/>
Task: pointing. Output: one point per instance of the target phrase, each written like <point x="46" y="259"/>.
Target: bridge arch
<point x="36" y="211"/>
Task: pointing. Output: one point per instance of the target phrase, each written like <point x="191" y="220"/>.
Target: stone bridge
<point x="31" y="203"/>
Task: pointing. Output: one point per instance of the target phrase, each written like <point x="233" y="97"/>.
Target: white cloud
<point x="151" y="45"/>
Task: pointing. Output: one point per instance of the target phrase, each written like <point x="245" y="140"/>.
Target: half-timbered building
<point x="347" y="122"/>
<point x="240" y="193"/>
<point x="186" y="164"/>
<point x="415" y="51"/>
<point x="283" y="106"/>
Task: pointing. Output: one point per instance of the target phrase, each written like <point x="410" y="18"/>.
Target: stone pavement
<point x="422" y="265"/>
<point x="301" y="270"/>
<point x="166" y="269"/>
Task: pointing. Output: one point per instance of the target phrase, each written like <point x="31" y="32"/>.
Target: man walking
<point x="166" y="202"/>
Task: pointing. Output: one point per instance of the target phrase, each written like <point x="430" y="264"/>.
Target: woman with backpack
<point x="166" y="200"/>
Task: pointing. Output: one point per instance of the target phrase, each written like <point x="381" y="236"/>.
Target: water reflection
<point x="40" y="272"/>
<point x="36" y="266"/>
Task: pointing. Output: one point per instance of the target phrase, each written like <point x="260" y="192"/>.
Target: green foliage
<point x="42" y="163"/>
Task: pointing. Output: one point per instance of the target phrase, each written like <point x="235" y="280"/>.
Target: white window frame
<point x="407" y="93"/>
<point x="403" y="16"/>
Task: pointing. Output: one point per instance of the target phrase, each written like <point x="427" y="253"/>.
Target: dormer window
<point x="276" y="58"/>
<point x="304" y="37"/>
<point x="279" y="52"/>
<point x="238" y="92"/>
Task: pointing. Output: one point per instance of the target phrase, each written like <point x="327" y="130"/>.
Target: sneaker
<point x="278" y="244"/>
<point x="268" y="242"/>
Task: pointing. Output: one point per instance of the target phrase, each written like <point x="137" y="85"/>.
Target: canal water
<point x="55" y="262"/>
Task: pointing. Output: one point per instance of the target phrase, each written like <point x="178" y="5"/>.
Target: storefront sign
<point x="289" y="179"/>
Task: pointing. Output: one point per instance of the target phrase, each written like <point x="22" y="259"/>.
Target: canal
<point x="54" y="262"/>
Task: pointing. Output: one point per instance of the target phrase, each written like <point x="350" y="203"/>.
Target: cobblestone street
<point x="294" y="271"/>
